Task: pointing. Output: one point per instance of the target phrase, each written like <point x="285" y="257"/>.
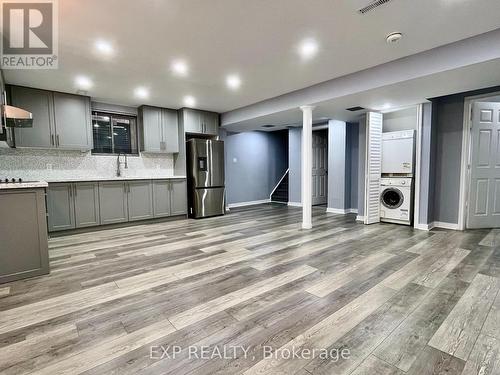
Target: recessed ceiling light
<point x="394" y="37"/>
<point x="233" y="81"/>
<point x="141" y="93"/>
<point x="104" y="47"/>
<point x="308" y="48"/>
<point x="180" y="68"/>
<point x="83" y="82"/>
<point x="189" y="101"/>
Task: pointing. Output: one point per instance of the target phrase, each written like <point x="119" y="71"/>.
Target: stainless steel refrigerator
<point x="205" y="168"/>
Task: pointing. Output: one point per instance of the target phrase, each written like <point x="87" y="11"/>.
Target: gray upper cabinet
<point x="72" y="121"/>
<point x="140" y="200"/>
<point x="210" y="123"/>
<point x="59" y="120"/>
<point x="178" y="197"/>
<point x="113" y="202"/>
<point x="151" y="124"/>
<point x="200" y="122"/>
<point x="39" y="103"/>
<point x="86" y="197"/>
<point x="170" y="130"/>
<point x="192" y="121"/>
<point x="160" y="130"/>
<point x="60" y="207"/>
<point x="161" y="194"/>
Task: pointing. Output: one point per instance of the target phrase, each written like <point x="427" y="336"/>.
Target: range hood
<point x="13" y="117"/>
<point x="16" y="117"/>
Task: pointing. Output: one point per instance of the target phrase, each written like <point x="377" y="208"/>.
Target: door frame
<point x="465" y="175"/>
<point x="417" y="176"/>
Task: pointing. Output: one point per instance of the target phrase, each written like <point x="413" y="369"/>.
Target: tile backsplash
<point x="36" y="164"/>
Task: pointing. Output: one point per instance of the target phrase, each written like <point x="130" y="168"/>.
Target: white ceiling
<point x="256" y="39"/>
<point x="400" y="95"/>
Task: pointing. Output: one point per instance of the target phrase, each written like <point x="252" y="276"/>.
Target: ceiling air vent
<point x="355" y="109"/>
<point x="372" y="5"/>
<point x="268" y="126"/>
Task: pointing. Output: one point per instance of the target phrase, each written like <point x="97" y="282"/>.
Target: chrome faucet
<point x="118" y="164"/>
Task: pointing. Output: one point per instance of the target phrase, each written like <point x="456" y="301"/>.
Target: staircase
<point x="280" y="192"/>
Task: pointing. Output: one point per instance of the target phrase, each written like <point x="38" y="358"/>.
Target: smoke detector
<point x="394" y="37"/>
<point x="372" y="6"/>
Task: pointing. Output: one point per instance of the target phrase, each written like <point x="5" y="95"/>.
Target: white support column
<point x="306" y="174"/>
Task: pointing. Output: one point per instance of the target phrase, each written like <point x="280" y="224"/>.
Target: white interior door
<point x="320" y="167"/>
<point x="484" y="192"/>
<point x="373" y="170"/>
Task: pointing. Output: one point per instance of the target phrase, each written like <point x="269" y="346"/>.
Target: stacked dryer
<point x="396" y="184"/>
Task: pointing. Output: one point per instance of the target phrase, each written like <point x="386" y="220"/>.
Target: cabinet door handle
<point x="70" y="191"/>
<point x="57" y="140"/>
<point x="52" y="140"/>
<point x="76" y="191"/>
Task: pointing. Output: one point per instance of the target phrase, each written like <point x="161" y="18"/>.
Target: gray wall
<point x="361" y="165"/>
<point x="353" y="161"/>
<point x="427" y="172"/>
<point x="255" y="162"/>
<point x="446" y="153"/>
<point x="338" y="167"/>
<point x="449" y="126"/>
<point x="405" y="119"/>
<point x="349" y="171"/>
<point x="294" y="157"/>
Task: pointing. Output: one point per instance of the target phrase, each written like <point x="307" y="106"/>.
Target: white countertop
<point x="123" y="178"/>
<point x="23" y="185"/>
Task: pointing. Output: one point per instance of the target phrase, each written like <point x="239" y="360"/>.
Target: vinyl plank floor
<point x="460" y="329"/>
<point x="254" y="278"/>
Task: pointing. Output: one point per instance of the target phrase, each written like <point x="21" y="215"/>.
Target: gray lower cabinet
<point x="170" y="197"/>
<point x="86" y="197"/>
<point x="88" y="204"/>
<point x="72" y="205"/>
<point x="140" y="200"/>
<point x="178" y="197"/>
<point x="23" y="232"/>
<point x="113" y="202"/>
<point x="60" y="207"/>
<point x="161" y="194"/>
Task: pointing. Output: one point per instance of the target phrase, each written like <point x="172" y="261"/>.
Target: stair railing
<point x="278" y="184"/>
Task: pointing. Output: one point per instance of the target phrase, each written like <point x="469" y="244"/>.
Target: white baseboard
<point x="440" y="224"/>
<point x="360" y="218"/>
<point x="425" y="227"/>
<point x="295" y="204"/>
<point x="249" y="203"/>
<point x="342" y="211"/>
<point x="437" y="224"/>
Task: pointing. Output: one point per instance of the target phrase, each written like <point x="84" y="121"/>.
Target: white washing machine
<point x="396" y="195"/>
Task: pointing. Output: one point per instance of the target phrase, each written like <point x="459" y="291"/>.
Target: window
<point x="114" y="133"/>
